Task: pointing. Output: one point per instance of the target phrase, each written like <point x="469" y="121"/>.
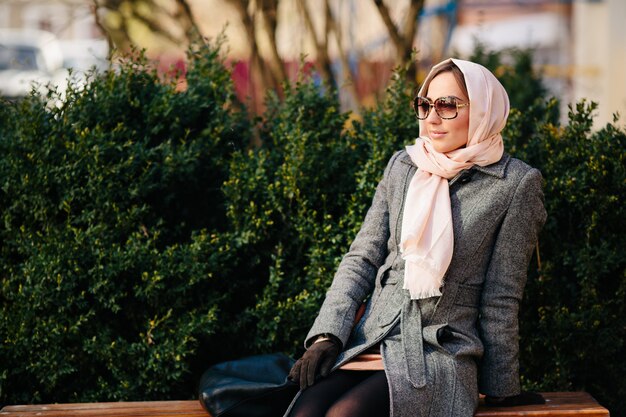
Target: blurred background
<point x="578" y="45"/>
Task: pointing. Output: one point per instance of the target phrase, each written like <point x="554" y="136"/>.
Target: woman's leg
<point x="370" y="398"/>
<point x="354" y="393"/>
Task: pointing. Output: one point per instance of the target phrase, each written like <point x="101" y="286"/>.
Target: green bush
<point x="514" y="69"/>
<point x="110" y="278"/>
<point x="143" y="238"/>
<point x="301" y="197"/>
<point x="571" y="334"/>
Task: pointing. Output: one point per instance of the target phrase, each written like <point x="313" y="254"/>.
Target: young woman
<point x="440" y="262"/>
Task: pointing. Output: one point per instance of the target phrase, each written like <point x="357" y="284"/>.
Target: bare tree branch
<point x="185" y="15"/>
<point x="103" y="29"/>
<point x="157" y="28"/>
<point x="394" y="32"/>
<point x="258" y="75"/>
<point x="403" y="41"/>
<point x="321" y="47"/>
<point x="269" y="12"/>
<point x="411" y="22"/>
<point x="335" y="28"/>
<point x="415" y="8"/>
<point x="154" y="19"/>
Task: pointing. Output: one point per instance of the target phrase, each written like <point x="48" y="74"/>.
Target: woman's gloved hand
<point x="525" y="398"/>
<point x="317" y="360"/>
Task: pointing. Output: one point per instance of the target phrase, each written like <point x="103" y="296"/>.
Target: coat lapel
<point x="475" y="208"/>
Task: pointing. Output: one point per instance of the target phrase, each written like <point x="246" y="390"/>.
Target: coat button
<point x="465" y="178"/>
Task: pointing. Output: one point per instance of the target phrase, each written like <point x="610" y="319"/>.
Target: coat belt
<point x="413" y="342"/>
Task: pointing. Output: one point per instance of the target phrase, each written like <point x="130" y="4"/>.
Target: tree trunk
<point x="259" y="78"/>
<point x="269" y="10"/>
<point x="321" y="46"/>
<point x="350" y="79"/>
<point x="403" y="41"/>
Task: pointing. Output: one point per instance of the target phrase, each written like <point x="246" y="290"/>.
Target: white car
<point x="30" y="58"/>
<point x="82" y="56"/>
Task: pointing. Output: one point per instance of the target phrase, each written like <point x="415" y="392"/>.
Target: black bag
<point x="256" y="386"/>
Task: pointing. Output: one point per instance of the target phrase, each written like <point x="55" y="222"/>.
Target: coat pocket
<point x="468" y="295"/>
<point x="437" y="334"/>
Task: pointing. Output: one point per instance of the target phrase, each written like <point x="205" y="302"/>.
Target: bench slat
<point x="558" y="404"/>
<point x="110" y="409"/>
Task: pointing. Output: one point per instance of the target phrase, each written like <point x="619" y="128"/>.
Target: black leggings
<point x="345" y="394"/>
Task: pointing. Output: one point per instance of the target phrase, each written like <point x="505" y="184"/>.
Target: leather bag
<point x="255" y="386"/>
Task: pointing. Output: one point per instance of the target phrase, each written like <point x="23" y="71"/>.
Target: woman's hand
<point x="320" y="356"/>
<point x="525" y="398"/>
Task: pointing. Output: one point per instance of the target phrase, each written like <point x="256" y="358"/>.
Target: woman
<point x="441" y="262"/>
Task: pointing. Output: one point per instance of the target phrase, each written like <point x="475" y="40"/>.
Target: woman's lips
<point x="437" y="134"/>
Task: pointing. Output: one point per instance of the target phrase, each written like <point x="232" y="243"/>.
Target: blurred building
<point x="579" y="45"/>
<point x="66" y="19"/>
<point x="598" y="70"/>
<point x="74" y="35"/>
<point x="543" y="26"/>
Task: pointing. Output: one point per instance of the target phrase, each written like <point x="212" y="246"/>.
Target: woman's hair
<point x="456" y="72"/>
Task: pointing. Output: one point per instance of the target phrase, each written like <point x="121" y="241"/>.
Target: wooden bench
<point x="558" y="404"/>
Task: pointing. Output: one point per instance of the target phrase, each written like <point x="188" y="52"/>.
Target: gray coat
<point x="497" y="212"/>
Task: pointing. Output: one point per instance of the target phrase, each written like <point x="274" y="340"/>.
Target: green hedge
<point x="572" y="331"/>
<point x="144" y="238"/>
<point x="112" y="268"/>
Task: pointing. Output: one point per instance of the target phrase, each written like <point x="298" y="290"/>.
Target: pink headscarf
<point x="427" y="238"/>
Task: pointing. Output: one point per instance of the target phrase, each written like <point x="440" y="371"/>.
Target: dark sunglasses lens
<point x="446" y="107"/>
<point x="422" y="106"/>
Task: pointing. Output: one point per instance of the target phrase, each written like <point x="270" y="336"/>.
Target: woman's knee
<point x="344" y="408"/>
<point x="368" y="398"/>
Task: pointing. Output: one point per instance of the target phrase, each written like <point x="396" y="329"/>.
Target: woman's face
<point x="447" y="135"/>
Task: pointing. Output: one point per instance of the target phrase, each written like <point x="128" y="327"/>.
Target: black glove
<point x="525" y="398"/>
<point x="320" y="356"/>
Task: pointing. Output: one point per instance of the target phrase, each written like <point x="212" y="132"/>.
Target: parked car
<point x="30" y="58"/>
<point x="82" y="55"/>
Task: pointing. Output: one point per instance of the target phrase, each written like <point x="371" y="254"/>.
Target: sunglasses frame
<point x="433" y="104"/>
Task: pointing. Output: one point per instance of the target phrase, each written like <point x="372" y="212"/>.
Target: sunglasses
<point x="445" y="107"/>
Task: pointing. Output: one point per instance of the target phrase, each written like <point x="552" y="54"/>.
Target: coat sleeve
<point x="356" y="274"/>
<point x="504" y="287"/>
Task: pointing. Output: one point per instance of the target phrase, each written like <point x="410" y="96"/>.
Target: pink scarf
<point x="427" y="238"/>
